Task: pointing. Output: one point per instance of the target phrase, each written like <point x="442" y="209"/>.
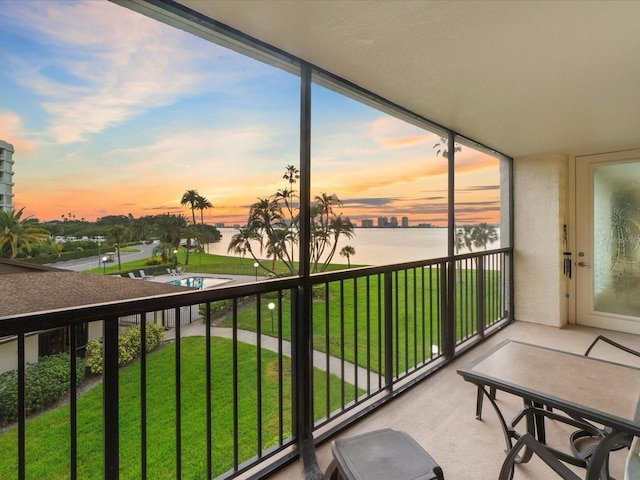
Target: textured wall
<point x="540" y="199"/>
<point x="9" y="353"/>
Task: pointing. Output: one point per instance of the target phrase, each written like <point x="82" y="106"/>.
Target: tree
<point x="273" y="227"/>
<point x="18" y="234"/>
<point x="484" y="234"/>
<point x="443" y="147"/>
<point x="139" y="229"/>
<point x="118" y="234"/>
<point x="202" y="204"/>
<point x="170" y="228"/>
<point x="464" y="238"/>
<point x="190" y="198"/>
<point x="348" y="251"/>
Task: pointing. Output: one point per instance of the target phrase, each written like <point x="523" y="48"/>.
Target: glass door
<point x="608" y="241"/>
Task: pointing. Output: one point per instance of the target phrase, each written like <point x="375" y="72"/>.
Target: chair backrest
<point x="132" y="275"/>
<point x="632" y="467"/>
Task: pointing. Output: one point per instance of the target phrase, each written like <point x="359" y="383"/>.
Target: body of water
<point x="376" y="246"/>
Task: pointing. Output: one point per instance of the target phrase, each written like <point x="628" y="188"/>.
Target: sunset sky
<point x="114" y="113"/>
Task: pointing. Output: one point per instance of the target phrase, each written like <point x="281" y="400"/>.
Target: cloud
<point x="105" y="64"/>
<point x="376" y="202"/>
<point x="476" y="188"/>
<point x="392" y="132"/>
<point x="13" y="133"/>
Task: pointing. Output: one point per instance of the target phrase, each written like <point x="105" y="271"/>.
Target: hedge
<point x="129" y="346"/>
<point x="46" y="382"/>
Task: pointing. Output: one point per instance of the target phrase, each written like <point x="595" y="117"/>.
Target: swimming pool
<point x="199" y="282"/>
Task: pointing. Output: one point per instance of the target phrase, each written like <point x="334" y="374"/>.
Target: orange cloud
<point x="13" y="132"/>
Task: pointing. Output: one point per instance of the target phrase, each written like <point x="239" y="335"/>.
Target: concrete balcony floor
<point x="440" y="412"/>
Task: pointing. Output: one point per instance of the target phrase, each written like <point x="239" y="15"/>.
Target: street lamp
<point x="271" y="307"/>
<point x="175" y="258"/>
<point x="256" y="265"/>
<point x="99" y="243"/>
<point x="104" y="265"/>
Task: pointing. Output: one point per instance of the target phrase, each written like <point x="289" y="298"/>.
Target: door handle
<point x="582" y="264"/>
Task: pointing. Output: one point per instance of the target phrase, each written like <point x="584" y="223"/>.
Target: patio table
<point x="584" y="388"/>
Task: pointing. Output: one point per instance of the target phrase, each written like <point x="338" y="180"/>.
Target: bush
<point x="46" y="382"/>
<point x="157" y="260"/>
<point x="129" y="346"/>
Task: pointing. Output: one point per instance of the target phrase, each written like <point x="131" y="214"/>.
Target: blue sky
<point x="111" y="112"/>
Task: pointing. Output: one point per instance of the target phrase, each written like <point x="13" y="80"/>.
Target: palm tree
<point x="443" y="146"/>
<point x="348" y="251"/>
<point x="338" y="226"/>
<point x="139" y="229"/>
<point x="202" y="204"/>
<point x="484" y="234"/>
<point x="190" y="198"/>
<point x="17" y="233"/>
<point x="464" y="238"/>
<point x="118" y="233"/>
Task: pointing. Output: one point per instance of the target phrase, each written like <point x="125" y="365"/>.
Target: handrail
<point x="374" y="331"/>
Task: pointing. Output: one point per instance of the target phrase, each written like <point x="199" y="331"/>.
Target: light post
<point x="104" y="265"/>
<point x="99" y="243"/>
<point x="256" y="265"/>
<point x="175" y="258"/>
<point x="271" y="307"/>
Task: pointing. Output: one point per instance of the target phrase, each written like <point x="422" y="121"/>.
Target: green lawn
<point x="345" y="326"/>
<point x="47" y="446"/>
<point x="206" y="263"/>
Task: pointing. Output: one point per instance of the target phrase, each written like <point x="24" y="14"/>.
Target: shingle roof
<point x="36" y="291"/>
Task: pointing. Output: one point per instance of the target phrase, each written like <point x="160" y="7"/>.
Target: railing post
<point x="480" y="300"/>
<point x="110" y="402"/>
<point x="301" y="328"/>
<point x="448" y="305"/>
<point x="388" y="331"/>
<point x="21" y="408"/>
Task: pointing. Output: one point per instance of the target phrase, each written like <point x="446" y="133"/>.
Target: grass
<point x="351" y="323"/>
<point x="47" y="445"/>
<point x="206" y="263"/>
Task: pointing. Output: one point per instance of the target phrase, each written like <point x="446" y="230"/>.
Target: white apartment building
<point x="6" y="176"/>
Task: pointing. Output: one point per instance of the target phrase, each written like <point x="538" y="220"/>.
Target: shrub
<point x="157" y="260"/>
<point x="129" y="346"/>
<point x="46" y="382"/>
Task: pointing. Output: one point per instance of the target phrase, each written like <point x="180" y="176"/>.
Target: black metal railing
<point x="222" y="396"/>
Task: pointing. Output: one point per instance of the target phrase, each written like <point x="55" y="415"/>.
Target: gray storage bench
<point x="381" y="455"/>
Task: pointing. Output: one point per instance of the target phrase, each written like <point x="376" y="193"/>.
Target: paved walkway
<point x="336" y="365"/>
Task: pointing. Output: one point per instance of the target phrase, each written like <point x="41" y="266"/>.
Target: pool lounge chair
<point x="172" y="272"/>
<point x="133" y="276"/>
<point x="144" y="276"/>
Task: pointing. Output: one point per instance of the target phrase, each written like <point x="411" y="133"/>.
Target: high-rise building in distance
<point x="6" y="176"/>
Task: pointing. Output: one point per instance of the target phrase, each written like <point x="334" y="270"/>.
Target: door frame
<point x="614" y="322"/>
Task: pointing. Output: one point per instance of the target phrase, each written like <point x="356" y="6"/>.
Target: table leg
<point x="509" y="432"/>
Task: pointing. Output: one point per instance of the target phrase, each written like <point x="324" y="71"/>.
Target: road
<point x="82" y="264"/>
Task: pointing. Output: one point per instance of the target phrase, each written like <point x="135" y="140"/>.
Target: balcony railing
<point x="255" y="369"/>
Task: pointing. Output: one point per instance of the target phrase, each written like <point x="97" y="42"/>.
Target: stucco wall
<point x="540" y="207"/>
<point x="9" y="353"/>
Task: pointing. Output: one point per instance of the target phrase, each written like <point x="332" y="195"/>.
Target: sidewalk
<point x="342" y="369"/>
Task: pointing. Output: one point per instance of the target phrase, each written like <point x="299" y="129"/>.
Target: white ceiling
<point x="522" y="77"/>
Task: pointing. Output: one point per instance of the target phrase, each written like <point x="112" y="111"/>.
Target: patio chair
<point x="632" y="467"/>
<point x="612" y="343"/>
<point x="172" y="272"/>
<point x="133" y="276"/>
<point x="583" y="443"/>
<point x="144" y="275"/>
